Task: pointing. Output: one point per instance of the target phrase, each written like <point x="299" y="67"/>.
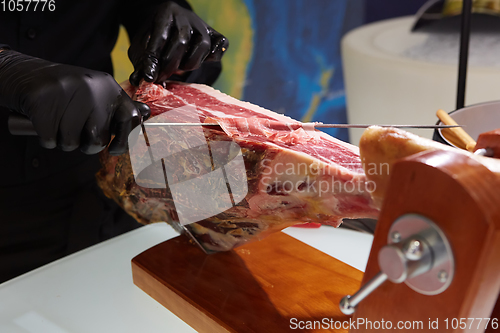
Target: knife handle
<point x="20" y="125"/>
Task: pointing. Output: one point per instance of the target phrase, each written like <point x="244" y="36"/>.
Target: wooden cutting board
<point x="259" y="287"/>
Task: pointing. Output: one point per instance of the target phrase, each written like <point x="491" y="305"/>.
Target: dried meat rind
<point x="276" y="176"/>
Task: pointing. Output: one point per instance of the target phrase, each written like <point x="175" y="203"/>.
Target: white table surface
<point x="92" y="290"/>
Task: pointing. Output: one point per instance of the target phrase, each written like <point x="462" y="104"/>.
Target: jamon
<point x="380" y="147"/>
<point x="256" y="173"/>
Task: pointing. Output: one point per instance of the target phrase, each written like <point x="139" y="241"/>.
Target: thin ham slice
<point x="288" y="133"/>
<point x="292" y="174"/>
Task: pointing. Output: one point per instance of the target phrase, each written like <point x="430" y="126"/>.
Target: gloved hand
<point x="70" y="107"/>
<point x="177" y="40"/>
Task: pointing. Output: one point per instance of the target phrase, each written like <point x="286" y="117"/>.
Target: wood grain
<point x="258" y="287"/>
<point x="462" y="197"/>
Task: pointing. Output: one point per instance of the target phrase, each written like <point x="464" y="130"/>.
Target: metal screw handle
<point x="398" y="262"/>
<point x="348" y="303"/>
<point x="423" y="260"/>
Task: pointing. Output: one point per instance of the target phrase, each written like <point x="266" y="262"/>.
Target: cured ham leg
<point x="258" y="172"/>
<point x="380" y="147"/>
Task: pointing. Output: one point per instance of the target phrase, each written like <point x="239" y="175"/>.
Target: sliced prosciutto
<point x="289" y="133"/>
<point x="277" y="172"/>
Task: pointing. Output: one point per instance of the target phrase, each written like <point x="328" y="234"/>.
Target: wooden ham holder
<point x="462" y="197"/>
<point x="259" y="287"/>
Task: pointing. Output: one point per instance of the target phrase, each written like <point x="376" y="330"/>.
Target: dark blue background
<point x="295" y="41"/>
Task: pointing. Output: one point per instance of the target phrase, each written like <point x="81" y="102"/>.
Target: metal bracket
<point x="440" y="276"/>
<point x="418" y="254"/>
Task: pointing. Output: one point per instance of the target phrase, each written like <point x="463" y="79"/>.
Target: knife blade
<point x="315" y="125"/>
<point x="20" y="125"/>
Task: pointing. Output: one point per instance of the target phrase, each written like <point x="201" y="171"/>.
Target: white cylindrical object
<point x="386" y="84"/>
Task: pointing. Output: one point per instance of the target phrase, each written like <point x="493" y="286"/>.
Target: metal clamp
<point x="417" y="254"/>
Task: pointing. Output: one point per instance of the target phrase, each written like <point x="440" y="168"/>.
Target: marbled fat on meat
<point x="293" y="175"/>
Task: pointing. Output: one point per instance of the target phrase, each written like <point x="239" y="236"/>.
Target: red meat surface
<point x="256" y="173"/>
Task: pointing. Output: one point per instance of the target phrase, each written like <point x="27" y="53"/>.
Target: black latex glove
<point x="177" y="40"/>
<point x="70" y="107"/>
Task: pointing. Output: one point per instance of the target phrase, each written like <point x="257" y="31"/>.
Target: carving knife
<point x="20" y="125"/>
<point x="315" y="125"/>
